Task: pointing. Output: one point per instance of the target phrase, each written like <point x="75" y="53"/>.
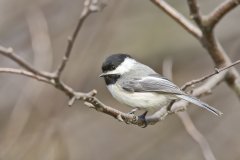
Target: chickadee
<point x="140" y="87"/>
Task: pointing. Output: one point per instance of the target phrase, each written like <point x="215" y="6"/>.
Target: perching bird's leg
<point x="144" y="119"/>
<point x="170" y="105"/>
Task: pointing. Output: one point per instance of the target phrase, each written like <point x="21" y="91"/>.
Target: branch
<point x="194" y="12"/>
<point x="205" y="89"/>
<point x="25" y="73"/>
<point x="90" y="6"/>
<point x="218" y="13"/>
<point x="205" y="35"/>
<point x="8" y="52"/>
<point x="188" y="84"/>
<point x="196" y="135"/>
<point x="211" y="43"/>
<point x="178" y="17"/>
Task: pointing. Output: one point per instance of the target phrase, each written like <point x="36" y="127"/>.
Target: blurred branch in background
<point x="196" y="135"/>
<point x="186" y="120"/>
<point x="43" y="59"/>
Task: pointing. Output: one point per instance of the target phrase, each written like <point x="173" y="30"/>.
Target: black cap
<point x="113" y="61"/>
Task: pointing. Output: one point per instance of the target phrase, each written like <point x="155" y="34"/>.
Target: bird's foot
<point x="132" y="112"/>
<point x="143" y="117"/>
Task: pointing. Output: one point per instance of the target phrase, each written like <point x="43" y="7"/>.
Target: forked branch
<point x="219" y="12"/>
<point x="179" y="18"/>
<point x="204" y="33"/>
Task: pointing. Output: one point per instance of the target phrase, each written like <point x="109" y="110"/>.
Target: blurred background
<point x="35" y="122"/>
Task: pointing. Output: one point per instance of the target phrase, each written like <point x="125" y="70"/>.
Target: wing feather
<point x="150" y="84"/>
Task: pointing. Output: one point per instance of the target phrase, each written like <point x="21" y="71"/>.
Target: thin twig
<point x="178" y="17"/>
<point x="25" y="73"/>
<point x="192" y="82"/>
<point x="90" y="6"/>
<point x="218" y="13"/>
<point x="8" y="52"/>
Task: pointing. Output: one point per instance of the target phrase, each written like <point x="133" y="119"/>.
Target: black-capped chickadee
<point x="140" y="87"/>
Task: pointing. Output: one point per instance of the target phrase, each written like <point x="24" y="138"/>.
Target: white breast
<point x="146" y="101"/>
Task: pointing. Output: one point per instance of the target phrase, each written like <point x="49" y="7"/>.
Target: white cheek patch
<point x="124" y="67"/>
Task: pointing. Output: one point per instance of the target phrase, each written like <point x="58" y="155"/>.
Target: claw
<point x="144" y="119"/>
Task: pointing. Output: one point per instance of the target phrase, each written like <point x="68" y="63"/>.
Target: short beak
<point x="103" y="74"/>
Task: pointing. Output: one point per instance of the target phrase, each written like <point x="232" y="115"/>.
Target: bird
<point x="140" y="87"/>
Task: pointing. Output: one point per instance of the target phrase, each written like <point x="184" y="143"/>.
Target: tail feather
<point x="200" y="104"/>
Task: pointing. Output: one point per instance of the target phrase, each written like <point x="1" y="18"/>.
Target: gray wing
<point x="150" y="83"/>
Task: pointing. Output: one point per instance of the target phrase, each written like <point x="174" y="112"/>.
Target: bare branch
<point x="95" y="103"/>
<point x="196" y="135"/>
<point x="218" y="13"/>
<point x="220" y="58"/>
<point x="8" y="52"/>
<point x="194" y="12"/>
<point x="212" y="45"/>
<point x="188" y="84"/>
<point x="90" y="6"/>
<point x="92" y="102"/>
<point x="25" y="73"/>
<point x="179" y="18"/>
